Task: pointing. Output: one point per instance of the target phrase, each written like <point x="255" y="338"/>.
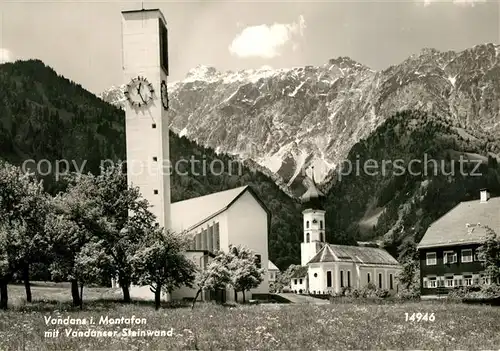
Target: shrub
<point x="382" y="293"/>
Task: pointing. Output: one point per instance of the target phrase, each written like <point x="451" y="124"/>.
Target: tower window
<point x="155" y="158"/>
<point x="155" y="192"/>
<point x="307" y="224"/>
<point x="321" y="237"/>
<point x="307" y="237"/>
<point x="320" y="224"/>
<point x="154" y="125"/>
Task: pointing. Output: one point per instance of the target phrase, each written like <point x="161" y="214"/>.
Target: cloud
<point x="267" y="41"/>
<point x="5" y="55"/>
<point x="456" y="2"/>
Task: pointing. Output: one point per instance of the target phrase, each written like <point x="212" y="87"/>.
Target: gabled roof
<point x="271" y="266"/>
<point x="300" y="272"/>
<point x="356" y="254"/>
<point x="460" y="225"/>
<point x="188" y="214"/>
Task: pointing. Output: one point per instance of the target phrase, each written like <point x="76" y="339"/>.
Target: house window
<point x="320" y="224"/>
<point x="368" y="277"/>
<point x="341" y="279"/>
<point x="485" y="279"/>
<point x="307" y="237"/>
<point x="448" y="281"/>
<point x="432" y="283"/>
<point x="380" y="280"/>
<point x="154" y="125"/>
<point x="307" y="224"/>
<point x="467" y="280"/>
<point x="155" y="192"/>
<point x="466" y="255"/>
<point x="449" y="257"/>
<point x="431" y="258"/>
<point x="300" y="281"/>
<point x="457" y="281"/>
<point x="295" y="281"/>
<point x="329" y="279"/>
<point x="391" y="286"/>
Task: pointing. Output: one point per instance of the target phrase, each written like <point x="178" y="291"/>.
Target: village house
<point x="449" y="249"/>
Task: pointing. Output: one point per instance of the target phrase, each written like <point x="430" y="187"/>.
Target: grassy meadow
<point x="337" y="326"/>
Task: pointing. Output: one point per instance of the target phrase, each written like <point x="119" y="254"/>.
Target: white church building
<point x="327" y="268"/>
<point x="214" y="221"/>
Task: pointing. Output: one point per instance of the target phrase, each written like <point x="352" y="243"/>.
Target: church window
<point x="295" y="281"/>
<point x="341" y="279"/>
<point x="380" y="280"/>
<point x="155" y="158"/>
<point x="155" y="192"/>
<point x="315" y="275"/>
<point x="368" y="277"/>
<point x="300" y="281"/>
<point x="349" y="279"/>
<point x="390" y="282"/>
<point x="320" y="224"/>
<point x="258" y="260"/>
<point x="307" y="224"/>
<point x="163" y="47"/>
<point x="329" y="279"/>
<point x="307" y="237"/>
<point x="154" y="125"/>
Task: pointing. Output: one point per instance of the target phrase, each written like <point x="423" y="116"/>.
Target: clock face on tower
<point x="164" y="95"/>
<point x="139" y="92"/>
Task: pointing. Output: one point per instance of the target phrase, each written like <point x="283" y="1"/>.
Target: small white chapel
<point x="327" y="268"/>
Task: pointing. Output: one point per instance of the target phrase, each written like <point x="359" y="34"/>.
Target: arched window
<point x="307" y="224"/>
<point x="307" y="238"/>
<point x="320" y="224"/>
<point x="321" y="237"/>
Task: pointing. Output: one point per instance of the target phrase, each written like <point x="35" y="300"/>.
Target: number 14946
<point x="420" y="317"/>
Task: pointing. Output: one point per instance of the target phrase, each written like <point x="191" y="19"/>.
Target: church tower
<point x="314" y="222"/>
<point x="145" y="71"/>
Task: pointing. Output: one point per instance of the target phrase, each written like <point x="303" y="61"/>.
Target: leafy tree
<point x="91" y="263"/>
<point x="128" y="219"/>
<point x="24" y="202"/>
<point x="489" y="252"/>
<point x="409" y="276"/>
<point x="160" y="263"/>
<point x="245" y="273"/>
<point x="215" y="277"/>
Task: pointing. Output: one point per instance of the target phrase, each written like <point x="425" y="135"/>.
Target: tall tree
<point x="489" y="252"/>
<point x="160" y="263"/>
<point x="24" y="204"/>
<point x="245" y="271"/>
<point x="215" y="277"/>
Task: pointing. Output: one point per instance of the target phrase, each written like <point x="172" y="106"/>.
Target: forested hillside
<point x="400" y="204"/>
<point x="46" y="116"/>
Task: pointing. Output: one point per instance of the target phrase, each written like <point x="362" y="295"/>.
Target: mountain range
<point x="286" y="120"/>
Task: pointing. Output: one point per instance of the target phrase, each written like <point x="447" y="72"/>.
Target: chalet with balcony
<point x="448" y="251"/>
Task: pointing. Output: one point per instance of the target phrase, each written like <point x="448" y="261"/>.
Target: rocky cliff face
<point x="289" y="119"/>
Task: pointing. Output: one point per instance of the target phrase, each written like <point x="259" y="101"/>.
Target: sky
<point x="82" y="39"/>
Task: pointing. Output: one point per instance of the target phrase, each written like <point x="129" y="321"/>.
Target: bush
<point x="382" y="293"/>
<point x="475" y="292"/>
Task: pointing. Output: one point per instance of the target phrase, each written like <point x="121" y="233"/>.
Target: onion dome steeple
<point x="313" y="198"/>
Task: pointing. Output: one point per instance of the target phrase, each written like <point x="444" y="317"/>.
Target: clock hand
<point x="139" y="88"/>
